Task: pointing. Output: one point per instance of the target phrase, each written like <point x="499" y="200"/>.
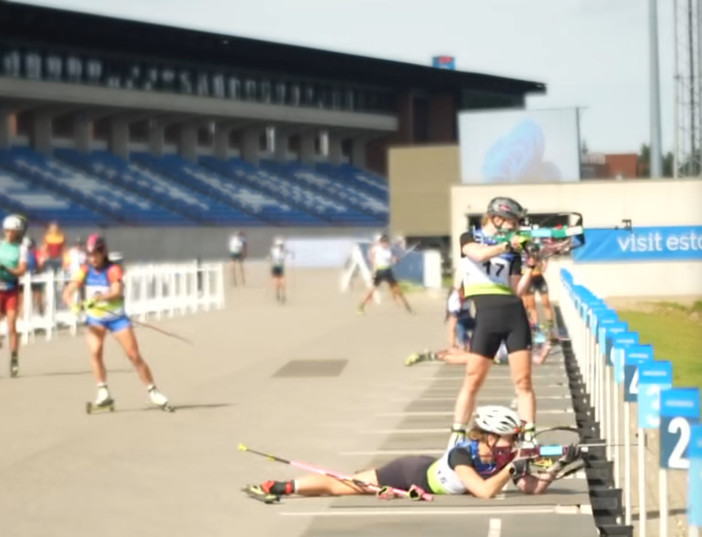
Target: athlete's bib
<point x="278" y="256"/>
<point x="382" y="257"/>
<point x="491" y="277"/>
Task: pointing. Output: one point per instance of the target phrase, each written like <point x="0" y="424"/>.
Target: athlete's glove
<point x="458" y="435"/>
<point x="518" y="243"/>
<point x="88" y="303"/>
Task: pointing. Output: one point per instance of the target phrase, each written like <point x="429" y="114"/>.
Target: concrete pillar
<point x="187" y="141"/>
<point x="335" y="152"/>
<point x="118" y="142"/>
<point x="221" y="142"/>
<point x="358" y="152"/>
<point x="5" y="128"/>
<point x="82" y="133"/>
<point x="282" y="144"/>
<point x="156" y="138"/>
<point x="250" y="141"/>
<point x="41" y="132"/>
<point x="307" y="149"/>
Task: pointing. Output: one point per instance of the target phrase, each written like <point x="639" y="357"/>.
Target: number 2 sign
<point x="680" y="410"/>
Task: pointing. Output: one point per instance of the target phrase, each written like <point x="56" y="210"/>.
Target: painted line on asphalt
<point x="450" y="413"/>
<point x="438" y="511"/>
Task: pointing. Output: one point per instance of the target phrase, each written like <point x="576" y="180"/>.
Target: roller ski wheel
<point x="92" y="408"/>
<point x="166" y="408"/>
<point x="257" y="493"/>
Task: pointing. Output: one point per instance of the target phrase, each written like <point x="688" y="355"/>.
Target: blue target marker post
<point x="606" y="334"/>
<point x="601" y="320"/>
<point x="654" y="376"/>
<point x="680" y="410"/>
<point x="634" y="356"/>
<point x="619" y="344"/>
<point x="694" y="482"/>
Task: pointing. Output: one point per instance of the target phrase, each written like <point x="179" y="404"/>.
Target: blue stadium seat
<point x="329" y="210"/>
<point x="29" y="168"/>
<point x="186" y="202"/>
<point x="352" y="197"/>
<point x="210" y="183"/>
<point x="19" y="194"/>
<point x="122" y="205"/>
<point x="357" y="178"/>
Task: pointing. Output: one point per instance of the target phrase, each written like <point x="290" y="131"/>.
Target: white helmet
<point x="497" y="419"/>
<point x="279" y="241"/>
<point x="13" y="222"/>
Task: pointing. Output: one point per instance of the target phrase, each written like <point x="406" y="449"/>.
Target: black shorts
<point x="499" y="318"/>
<point x="384" y="275"/>
<point x="237" y="257"/>
<point x="538" y="285"/>
<point x="404" y="472"/>
<point x="277" y="272"/>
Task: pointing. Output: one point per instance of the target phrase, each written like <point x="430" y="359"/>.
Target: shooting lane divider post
<point x="654" y="376"/>
<point x="600" y="319"/>
<point x="620" y="343"/>
<point x="694" y="483"/>
<point x="605" y="333"/>
<point x="680" y="410"/>
<point x="634" y="356"/>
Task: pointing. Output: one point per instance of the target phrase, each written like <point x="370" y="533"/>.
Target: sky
<point x="591" y="54"/>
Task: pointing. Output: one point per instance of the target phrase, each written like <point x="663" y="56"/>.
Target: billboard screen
<point x="519" y="146"/>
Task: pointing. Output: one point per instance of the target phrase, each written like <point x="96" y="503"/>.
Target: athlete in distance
<point x="494" y="281"/>
<point x="480" y="465"/>
<point x="382" y="259"/>
<point x="104" y="308"/>
<point x="13" y="265"/>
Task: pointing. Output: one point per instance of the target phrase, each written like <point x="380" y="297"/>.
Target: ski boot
<point x="14" y="365"/>
<point x="527" y="435"/>
<point x="160" y="400"/>
<point x="416" y="357"/>
<point x="257" y="492"/>
<point x="103" y="401"/>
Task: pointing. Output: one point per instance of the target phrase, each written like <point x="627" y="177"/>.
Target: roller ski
<point x="14" y="366"/>
<point x="257" y="493"/>
<point x="416" y="357"/>
<point x="103" y="402"/>
<point x="159" y="400"/>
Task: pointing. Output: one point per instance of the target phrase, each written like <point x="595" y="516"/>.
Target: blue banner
<point x="654" y="376"/>
<point x="676" y="243"/>
<point x="680" y="410"/>
<point x="605" y="334"/>
<point x="694" y="490"/>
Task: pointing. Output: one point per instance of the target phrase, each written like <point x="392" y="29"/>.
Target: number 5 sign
<point x="680" y="409"/>
<point x="654" y="376"/>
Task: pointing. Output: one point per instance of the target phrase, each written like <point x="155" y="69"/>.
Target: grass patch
<point x="675" y="331"/>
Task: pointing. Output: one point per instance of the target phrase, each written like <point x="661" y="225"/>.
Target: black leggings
<point x="404" y="472"/>
<point x="499" y="318"/>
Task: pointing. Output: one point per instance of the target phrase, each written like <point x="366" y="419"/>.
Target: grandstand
<point x="176" y="128"/>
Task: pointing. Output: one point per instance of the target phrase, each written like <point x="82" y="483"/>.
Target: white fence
<point x="619" y="373"/>
<point x="158" y="290"/>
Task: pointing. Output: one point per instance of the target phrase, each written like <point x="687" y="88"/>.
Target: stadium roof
<point x="73" y="29"/>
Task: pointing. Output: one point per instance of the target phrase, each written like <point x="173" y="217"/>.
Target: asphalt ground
<point x="310" y="380"/>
